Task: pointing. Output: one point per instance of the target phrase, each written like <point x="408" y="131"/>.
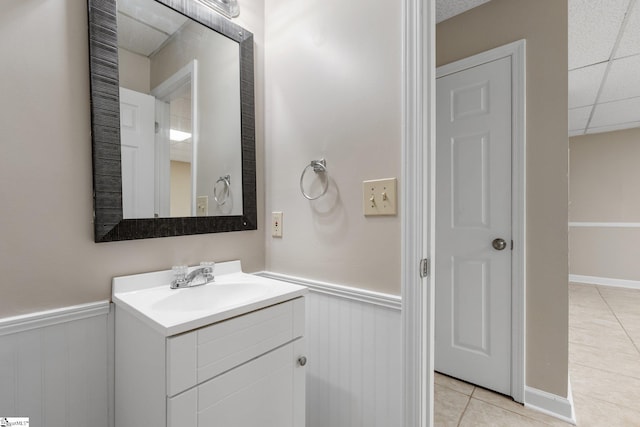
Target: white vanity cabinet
<point x="245" y="371"/>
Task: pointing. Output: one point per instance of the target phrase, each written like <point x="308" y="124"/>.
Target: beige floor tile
<point x="453" y="384"/>
<point x="578" y="288"/>
<point x="597" y="322"/>
<point x="634" y="335"/>
<point x="510" y="405"/>
<point x="621" y="300"/>
<point x="630" y="321"/>
<point x="449" y="406"/>
<point x="582" y="288"/>
<point x="597" y="413"/>
<point x="614" y="339"/>
<point x="622" y="306"/>
<point x="608" y="292"/>
<point x="607" y="386"/>
<point x="480" y="413"/>
<point x="585" y="296"/>
<point x="606" y="359"/>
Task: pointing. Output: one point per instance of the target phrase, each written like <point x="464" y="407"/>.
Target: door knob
<point x="302" y="360"/>
<point x="499" y="244"/>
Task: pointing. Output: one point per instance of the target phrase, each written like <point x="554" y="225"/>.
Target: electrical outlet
<point x="379" y="197"/>
<point x="202" y="205"/>
<point x="276" y="224"/>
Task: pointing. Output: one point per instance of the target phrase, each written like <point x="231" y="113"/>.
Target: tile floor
<point x="604" y="367"/>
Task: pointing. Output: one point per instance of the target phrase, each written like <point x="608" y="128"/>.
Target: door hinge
<point x="424" y="267"/>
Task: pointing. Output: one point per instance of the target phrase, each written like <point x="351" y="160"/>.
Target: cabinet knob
<point x="302" y="360"/>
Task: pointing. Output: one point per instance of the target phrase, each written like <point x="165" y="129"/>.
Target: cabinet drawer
<point x="197" y="356"/>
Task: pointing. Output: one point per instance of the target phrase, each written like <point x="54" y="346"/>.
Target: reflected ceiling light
<point x="228" y="8"/>
<point x="178" y="135"/>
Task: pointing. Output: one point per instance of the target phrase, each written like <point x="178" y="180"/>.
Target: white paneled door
<point x="137" y="135"/>
<point x="473" y="225"/>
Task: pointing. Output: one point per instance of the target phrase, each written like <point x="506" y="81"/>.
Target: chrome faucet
<point x="199" y="276"/>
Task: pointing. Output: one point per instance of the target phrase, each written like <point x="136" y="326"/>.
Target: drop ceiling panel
<point x="593" y="30"/>
<point x="578" y="118"/>
<point x="446" y="9"/>
<point x="584" y="84"/>
<point x="630" y="42"/>
<point x="623" y="80"/>
<point x="617" y="112"/>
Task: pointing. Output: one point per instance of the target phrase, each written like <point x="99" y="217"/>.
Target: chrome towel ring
<point x="226" y="190"/>
<point x="318" y="166"/>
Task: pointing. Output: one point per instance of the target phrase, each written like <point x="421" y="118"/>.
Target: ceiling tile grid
<point x="630" y="41"/>
<point x="578" y="118"/>
<point x="593" y="30"/>
<point x="623" y="80"/>
<point x="604" y="65"/>
<point x="616" y="112"/>
<point x="584" y="84"/>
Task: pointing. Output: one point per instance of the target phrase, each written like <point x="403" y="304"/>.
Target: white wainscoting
<point x="354" y="352"/>
<point x="54" y="367"/>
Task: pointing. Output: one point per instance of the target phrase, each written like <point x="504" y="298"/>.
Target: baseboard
<point x="41" y="319"/>
<point x="551" y="404"/>
<point x="354" y="294"/>
<point x="605" y="224"/>
<point x="605" y="281"/>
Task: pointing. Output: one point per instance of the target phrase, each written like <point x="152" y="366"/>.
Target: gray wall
<point x="334" y="74"/>
<point x="47" y="255"/>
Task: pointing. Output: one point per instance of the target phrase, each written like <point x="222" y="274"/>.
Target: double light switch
<point x="380" y="197"/>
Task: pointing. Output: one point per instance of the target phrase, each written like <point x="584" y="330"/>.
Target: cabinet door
<point x="266" y="392"/>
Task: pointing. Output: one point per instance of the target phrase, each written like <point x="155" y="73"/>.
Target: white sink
<point x="211" y="296"/>
<point x="172" y="311"/>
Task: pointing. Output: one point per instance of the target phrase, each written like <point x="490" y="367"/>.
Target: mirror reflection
<point x="180" y="115"/>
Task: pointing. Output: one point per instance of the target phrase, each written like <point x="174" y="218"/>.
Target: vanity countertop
<point x="148" y="297"/>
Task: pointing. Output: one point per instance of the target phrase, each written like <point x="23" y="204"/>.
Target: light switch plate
<point x="202" y="205"/>
<point x="276" y="224"/>
<point x="379" y="197"/>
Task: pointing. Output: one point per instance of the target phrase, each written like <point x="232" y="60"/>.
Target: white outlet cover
<point x="202" y="205"/>
<point x="276" y="224"/>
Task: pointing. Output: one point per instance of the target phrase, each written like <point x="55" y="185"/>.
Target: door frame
<point x="418" y="195"/>
<point x="418" y="134"/>
<point x="516" y="51"/>
<point x="188" y="73"/>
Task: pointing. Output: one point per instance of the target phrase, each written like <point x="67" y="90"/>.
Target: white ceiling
<point x="604" y="62"/>
<point x="144" y="26"/>
<point x="604" y="54"/>
<point x="604" y="65"/>
<point x="445" y="9"/>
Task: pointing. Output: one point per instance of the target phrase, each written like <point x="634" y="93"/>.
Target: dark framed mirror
<point x="221" y="194"/>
